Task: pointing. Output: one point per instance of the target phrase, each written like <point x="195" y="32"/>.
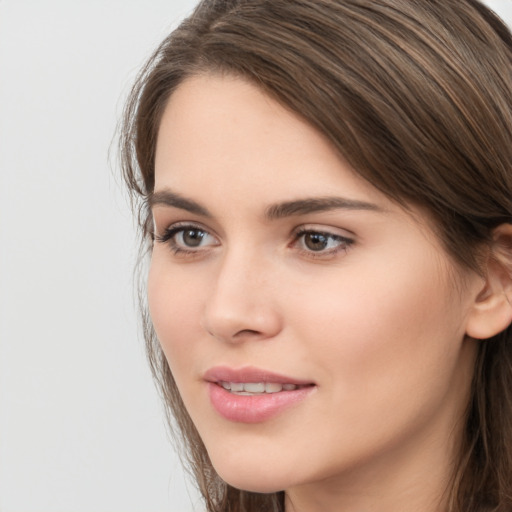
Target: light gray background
<point x="81" y="428"/>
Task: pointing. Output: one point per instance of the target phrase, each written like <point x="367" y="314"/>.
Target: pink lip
<point x="257" y="408"/>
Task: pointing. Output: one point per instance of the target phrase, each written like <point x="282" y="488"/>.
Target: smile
<point x="253" y="395"/>
<point x="257" y="388"/>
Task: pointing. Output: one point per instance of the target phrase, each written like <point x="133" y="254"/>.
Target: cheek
<point x="385" y="332"/>
<point x="174" y="307"/>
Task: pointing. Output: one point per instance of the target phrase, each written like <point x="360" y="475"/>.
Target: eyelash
<point x="169" y="234"/>
<point x="343" y="243"/>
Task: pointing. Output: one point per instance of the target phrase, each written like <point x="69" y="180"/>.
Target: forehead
<point x="227" y="132"/>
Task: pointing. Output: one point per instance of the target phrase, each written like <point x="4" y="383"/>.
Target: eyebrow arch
<point x="320" y="204"/>
<point x="168" y="198"/>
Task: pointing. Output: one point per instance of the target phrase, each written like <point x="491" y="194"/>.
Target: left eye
<point x="316" y="241"/>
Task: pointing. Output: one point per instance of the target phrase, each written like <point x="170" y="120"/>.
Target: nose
<point x="243" y="303"/>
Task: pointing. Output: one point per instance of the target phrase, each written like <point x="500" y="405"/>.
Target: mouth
<point x="252" y="395"/>
<point x="258" y="388"/>
<point x="252" y="380"/>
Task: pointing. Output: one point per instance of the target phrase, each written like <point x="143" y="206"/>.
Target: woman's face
<point x="335" y="317"/>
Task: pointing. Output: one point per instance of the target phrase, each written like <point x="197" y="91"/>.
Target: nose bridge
<point x="241" y="303"/>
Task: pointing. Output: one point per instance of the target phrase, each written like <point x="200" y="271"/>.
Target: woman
<point x="325" y="191"/>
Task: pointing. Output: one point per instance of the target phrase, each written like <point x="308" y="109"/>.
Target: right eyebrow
<point x="168" y="198"/>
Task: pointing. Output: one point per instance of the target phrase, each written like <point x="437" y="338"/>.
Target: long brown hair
<point x="417" y="96"/>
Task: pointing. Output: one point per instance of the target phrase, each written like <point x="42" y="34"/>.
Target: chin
<point x="259" y="480"/>
<point x="253" y="483"/>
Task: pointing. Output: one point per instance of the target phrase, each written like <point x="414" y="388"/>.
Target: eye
<point x="187" y="238"/>
<point x="192" y="237"/>
<point x="321" y="243"/>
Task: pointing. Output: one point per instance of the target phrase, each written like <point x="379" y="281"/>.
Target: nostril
<point x="247" y="332"/>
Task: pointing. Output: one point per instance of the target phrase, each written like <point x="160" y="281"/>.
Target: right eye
<point x="187" y="239"/>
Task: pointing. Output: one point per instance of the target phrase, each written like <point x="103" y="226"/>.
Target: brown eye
<point x="316" y="241"/>
<point x="192" y="237"/>
<point x="322" y="243"/>
<point x="187" y="239"/>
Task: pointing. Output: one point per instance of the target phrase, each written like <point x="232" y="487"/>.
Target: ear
<point x="492" y="310"/>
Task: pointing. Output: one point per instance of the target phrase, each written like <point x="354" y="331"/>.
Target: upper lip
<point x="250" y="374"/>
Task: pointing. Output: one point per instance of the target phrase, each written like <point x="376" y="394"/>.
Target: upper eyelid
<point x="170" y="232"/>
<point x="327" y="230"/>
<point x="299" y="234"/>
<point x="183" y="225"/>
<point x="295" y="232"/>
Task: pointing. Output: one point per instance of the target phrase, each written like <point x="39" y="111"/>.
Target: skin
<point x="378" y="323"/>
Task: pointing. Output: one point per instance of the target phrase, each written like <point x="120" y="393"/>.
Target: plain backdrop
<point x="81" y="426"/>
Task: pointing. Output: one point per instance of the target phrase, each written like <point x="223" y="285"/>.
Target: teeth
<point x="247" y="388"/>
<point x="254" y="387"/>
<point x="270" y="387"/>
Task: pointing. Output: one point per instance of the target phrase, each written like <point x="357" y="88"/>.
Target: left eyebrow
<point x="320" y="204"/>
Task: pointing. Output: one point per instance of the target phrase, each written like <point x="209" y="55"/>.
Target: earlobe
<point x="492" y="310"/>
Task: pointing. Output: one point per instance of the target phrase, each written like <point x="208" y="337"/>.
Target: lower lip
<point x="253" y="409"/>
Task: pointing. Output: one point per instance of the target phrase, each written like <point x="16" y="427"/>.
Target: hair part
<point x="416" y="95"/>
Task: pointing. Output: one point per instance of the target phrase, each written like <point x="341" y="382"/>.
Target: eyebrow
<point x="168" y="198"/>
<point x="319" y="204"/>
<point x="276" y="211"/>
